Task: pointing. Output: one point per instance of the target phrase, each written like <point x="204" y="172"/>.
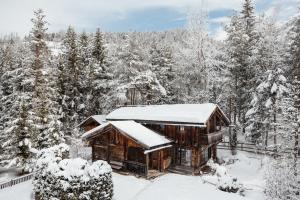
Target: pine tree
<point x="294" y="60"/>
<point x="268" y="106"/>
<point x="8" y="68"/>
<point x="70" y="71"/>
<point x="45" y="115"/>
<point x="85" y="60"/>
<point x="269" y="62"/>
<point x="22" y="139"/>
<point x="163" y="66"/>
<point x="17" y="90"/>
<point x="99" y="76"/>
<point x="242" y="40"/>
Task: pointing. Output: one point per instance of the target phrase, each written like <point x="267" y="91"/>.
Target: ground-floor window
<point x="206" y="155"/>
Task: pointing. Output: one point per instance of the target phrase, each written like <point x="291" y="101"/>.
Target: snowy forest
<point x="50" y="82"/>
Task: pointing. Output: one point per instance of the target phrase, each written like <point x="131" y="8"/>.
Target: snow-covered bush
<point x="226" y="182"/>
<point x="71" y="179"/>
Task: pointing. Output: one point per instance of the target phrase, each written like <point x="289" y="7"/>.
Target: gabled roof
<point x="142" y="135"/>
<point x="97" y="118"/>
<point x="180" y="113"/>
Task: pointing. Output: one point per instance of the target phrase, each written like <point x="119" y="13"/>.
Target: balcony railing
<point x="211" y="138"/>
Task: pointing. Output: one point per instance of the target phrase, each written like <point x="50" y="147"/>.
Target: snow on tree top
<point x="186" y="113"/>
<point x="136" y="131"/>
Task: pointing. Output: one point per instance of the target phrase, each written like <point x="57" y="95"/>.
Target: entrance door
<point x="184" y="157"/>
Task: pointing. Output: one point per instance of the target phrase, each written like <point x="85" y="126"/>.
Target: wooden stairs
<point x="184" y="170"/>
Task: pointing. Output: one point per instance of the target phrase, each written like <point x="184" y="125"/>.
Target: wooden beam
<point x="147" y="165"/>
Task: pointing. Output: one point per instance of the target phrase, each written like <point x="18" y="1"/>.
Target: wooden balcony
<point x="211" y="138"/>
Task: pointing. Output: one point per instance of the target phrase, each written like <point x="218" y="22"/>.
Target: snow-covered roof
<point x="133" y="130"/>
<point x="98" y="118"/>
<point x="181" y="113"/>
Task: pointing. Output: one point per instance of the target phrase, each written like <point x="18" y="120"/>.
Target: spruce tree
<point x="70" y="71"/>
<point x="85" y="58"/>
<point x="45" y="115"/>
<point x="22" y="140"/>
<point x="162" y="65"/>
<point x="241" y="45"/>
<point x="99" y="76"/>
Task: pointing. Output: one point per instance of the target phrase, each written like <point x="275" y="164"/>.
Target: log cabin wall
<point x="114" y="146"/>
<point x="200" y="141"/>
<point x="90" y="126"/>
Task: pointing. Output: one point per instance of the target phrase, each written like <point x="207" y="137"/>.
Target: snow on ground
<point x="179" y="187"/>
<point x="127" y="187"/>
<point x="247" y="168"/>
<point x="8" y="175"/>
<point x="22" y="191"/>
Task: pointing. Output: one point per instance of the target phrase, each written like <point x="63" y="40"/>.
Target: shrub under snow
<point x="226" y="182"/>
<point x="71" y="179"/>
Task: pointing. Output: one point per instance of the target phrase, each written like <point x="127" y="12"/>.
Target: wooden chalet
<point x="178" y="138"/>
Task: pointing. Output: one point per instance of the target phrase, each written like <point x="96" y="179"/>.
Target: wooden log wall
<point x="114" y="146"/>
<point x="90" y="126"/>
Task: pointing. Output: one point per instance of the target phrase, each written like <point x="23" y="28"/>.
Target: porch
<point x="138" y="161"/>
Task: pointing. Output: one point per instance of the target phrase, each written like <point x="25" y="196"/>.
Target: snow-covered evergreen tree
<point x="241" y="45"/>
<point x="269" y="64"/>
<point x="70" y="71"/>
<point x="163" y="66"/>
<point x="44" y="117"/>
<point x="85" y="57"/>
<point x="99" y="76"/>
<point x="22" y="140"/>
<point x="267" y="107"/>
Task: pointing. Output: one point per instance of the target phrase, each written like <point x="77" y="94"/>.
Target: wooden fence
<point x="252" y="148"/>
<point x="16" y="181"/>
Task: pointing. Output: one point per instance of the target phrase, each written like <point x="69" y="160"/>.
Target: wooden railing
<point x="211" y="138"/>
<point x="16" y="181"/>
<point x="252" y="148"/>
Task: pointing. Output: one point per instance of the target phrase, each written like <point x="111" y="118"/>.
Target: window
<point x="181" y="128"/>
<point x="206" y="155"/>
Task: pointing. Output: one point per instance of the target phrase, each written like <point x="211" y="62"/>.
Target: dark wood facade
<point x="125" y="153"/>
<point x="192" y="145"/>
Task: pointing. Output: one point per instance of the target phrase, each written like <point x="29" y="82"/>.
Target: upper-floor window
<point x="181" y="128"/>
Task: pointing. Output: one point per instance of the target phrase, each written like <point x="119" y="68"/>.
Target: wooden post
<point x="147" y="165"/>
<point x="214" y="152"/>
